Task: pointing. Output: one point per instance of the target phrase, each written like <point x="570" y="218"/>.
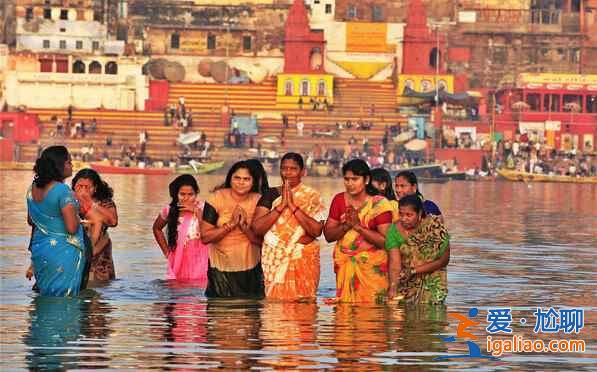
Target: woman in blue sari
<point x="57" y="240"/>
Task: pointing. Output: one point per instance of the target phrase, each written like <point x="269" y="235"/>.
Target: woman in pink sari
<point x="187" y="255"/>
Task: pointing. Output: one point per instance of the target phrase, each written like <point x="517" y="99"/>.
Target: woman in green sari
<point x="419" y="251"/>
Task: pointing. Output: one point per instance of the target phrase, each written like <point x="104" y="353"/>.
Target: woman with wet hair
<point x="187" y="255"/>
<point x="57" y="239"/>
<point x="234" y="254"/>
<point x="419" y="249"/>
<point x="358" y="221"/>
<point x="406" y="184"/>
<point x="382" y="181"/>
<point x="98" y="211"/>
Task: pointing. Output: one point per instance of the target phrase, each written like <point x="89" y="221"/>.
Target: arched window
<point x="305" y="89"/>
<point x="288" y="88"/>
<point x="95" y="68"/>
<point x="426" y="86"/>
<point x="442" y="85"/>
<point x="321" y="89"/>
<point x="434" y="58"/>
<point x="111" y="68"/>
<point x="78" y="67"/>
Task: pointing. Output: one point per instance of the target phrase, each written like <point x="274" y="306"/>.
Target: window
<point x="534" y="101"/>
<point x="47" y="13"/>
<point x="111" y="68"/>
<point x="247" y="43"/>
<point x="79" y="44"/>
<point x="95" y="45"/>
<point x="551" y="102"/>
<point x="426" y="85"/>
<point x="377" y="13"/>
<point x="434" y="58"/>
<point x="211" y="42"/>
<point x="62" y="66"/>
<point x="591" y="104"/>
<point x="317" y="1"/>
<point x="575" y="55"/>
<point x="62" y="44"/>
<point x="305" y="88"/>
<point x="288" y="88"/>
<point x="321" y="89"/>
<point x="62" y="29"/>
<point x="80" y="15"/>
<point x="45" y="65"/>
<point x="122" y="33"/>
<point x="95" y="68"/>
<point x="175" y="41"/>
<point x="78" y="67"/>
<point x="64" y="14"/>
<point x="328" y="8"/>
<point x="442" y="85"/>
<point x="46" y="44"/>
<point x="29" y="14"/>
<point x="351" y="11"/>
<point x="97" y="17"/>
<point x="572" y="103"/>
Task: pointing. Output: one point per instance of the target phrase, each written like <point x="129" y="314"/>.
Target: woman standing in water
<point x="97" y="207"/>
<point x="382" y="181"/>
<point x="186" y="253"/>
<point x="290" y="218"/>
<point x="358" y="222"/>
<point x="57" y="242"/>
<point x="419" y="249"/>
<point x="234" y="255"/>
<point x="406" y="184"/>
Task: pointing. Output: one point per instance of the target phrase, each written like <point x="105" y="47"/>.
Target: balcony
<point x="480" y="20"/>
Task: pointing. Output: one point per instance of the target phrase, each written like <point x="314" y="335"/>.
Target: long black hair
<point x="50" y="166"/>
<point x="382" y="175"/>
<point x="243" y="164"/>
<point x="414" y="201"/>
<point x="103" y="191"/>
<point x="260" y="183"/>
<point x="174" y="213"/>
<point x="411" y="178"/>
<point x="360" y="168"/>
<point x="294" y="156"/>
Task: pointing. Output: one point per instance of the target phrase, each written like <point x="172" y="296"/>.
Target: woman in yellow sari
<point x="358" y="221"/>
<point x="290" y="218"/>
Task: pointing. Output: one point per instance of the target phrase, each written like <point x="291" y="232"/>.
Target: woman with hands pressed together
<point x="358" y="222"/>
<point x="290" y="218"/>
<point x="186" y="253"/>
<point x="234" y="255"/>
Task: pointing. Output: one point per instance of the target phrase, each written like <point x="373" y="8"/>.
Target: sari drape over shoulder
<point x="291" y="269"/>
<point x="361" y="268"/>
<point x="426" y="244"/>
<point x="58" y="257"/>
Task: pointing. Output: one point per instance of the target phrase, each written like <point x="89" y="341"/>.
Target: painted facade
<point x="292" y="87"/>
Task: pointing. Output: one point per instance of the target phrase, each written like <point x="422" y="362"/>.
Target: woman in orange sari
<point x="358" y="222"/>
<point x="290" y="218"/>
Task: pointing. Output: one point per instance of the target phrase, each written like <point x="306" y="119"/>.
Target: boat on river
<point x="512" y="175"/>
<point x="200" y="167"/>
<point x="113" y="169"/>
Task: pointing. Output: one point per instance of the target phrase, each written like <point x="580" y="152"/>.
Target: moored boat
<point x="200" y="167"/>
<point x="113" y="169"/>
<point x="512" y="175"/>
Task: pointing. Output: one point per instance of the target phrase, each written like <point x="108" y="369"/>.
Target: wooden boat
<point x="112" y="169"/>
<point x="512" y="175"/>
<point x="432" y="180"/>
<point x="200" y="167"/>
<point x="422" y="171"/>
<point x="28" y="165"/>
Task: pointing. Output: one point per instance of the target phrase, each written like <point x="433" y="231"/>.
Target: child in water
<point x="187" y="255"/>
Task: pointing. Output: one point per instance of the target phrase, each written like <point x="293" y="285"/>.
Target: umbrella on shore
<point x="415" y="145"/>
<point x="188" y="138"/>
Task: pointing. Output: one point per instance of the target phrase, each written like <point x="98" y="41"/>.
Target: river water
<point x="513" y="245"/>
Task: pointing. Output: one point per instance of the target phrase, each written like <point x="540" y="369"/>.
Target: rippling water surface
<point x="514" y="245"/>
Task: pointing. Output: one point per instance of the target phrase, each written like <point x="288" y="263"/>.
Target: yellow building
<point x="294" y="89"/>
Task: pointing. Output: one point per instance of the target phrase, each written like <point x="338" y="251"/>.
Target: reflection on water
<point x="513" y="245"/>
